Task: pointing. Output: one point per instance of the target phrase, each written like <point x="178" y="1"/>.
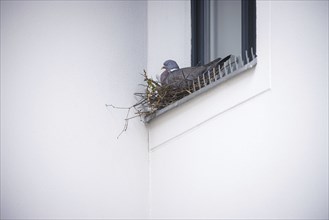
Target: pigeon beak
<point x="163" y="68"/>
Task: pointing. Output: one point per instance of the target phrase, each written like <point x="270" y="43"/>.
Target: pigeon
<point x="182" y="78"/>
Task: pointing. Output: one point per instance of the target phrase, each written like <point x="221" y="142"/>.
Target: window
<point x="221" y="28"/>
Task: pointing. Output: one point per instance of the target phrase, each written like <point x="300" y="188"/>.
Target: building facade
<point x="256" y="146"/>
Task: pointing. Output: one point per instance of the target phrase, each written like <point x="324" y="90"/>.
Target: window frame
<point x="201" y="27"/>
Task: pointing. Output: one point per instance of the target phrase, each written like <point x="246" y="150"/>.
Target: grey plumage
<point x="176" y="77"/>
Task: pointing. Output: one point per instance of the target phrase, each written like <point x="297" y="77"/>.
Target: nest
<point x="157" y="96"/>
<point x="154" y="98"/>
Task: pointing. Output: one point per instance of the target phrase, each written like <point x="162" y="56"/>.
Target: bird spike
<point x="225" y="70"/>
<point x="199" y="83"/>
<point x="220" y="73"/>
<point x="229" y="62"/>
<point x="204" y="80"/>
<point x="236" y="63"/>
<point x="214" y="72"/>
<point x="209" y="77"/>
<point x="252" y="53"/>
<point x="247" y="58"/>
<point x="240" y="61"/>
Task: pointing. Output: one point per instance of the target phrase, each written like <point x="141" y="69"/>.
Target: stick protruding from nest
<point x="154" y="98"/>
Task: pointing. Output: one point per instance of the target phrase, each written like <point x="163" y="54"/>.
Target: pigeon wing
<point x="182" y="77"/>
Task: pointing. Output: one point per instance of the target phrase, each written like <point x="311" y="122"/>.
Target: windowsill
<point x="226" y="77"/>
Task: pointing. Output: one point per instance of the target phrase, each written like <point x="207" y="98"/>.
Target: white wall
<point x="61" y="62"/>
<point x="259" y="153"/>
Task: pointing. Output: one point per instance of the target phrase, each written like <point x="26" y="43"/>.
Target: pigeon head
<point x="170" y="65"/>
